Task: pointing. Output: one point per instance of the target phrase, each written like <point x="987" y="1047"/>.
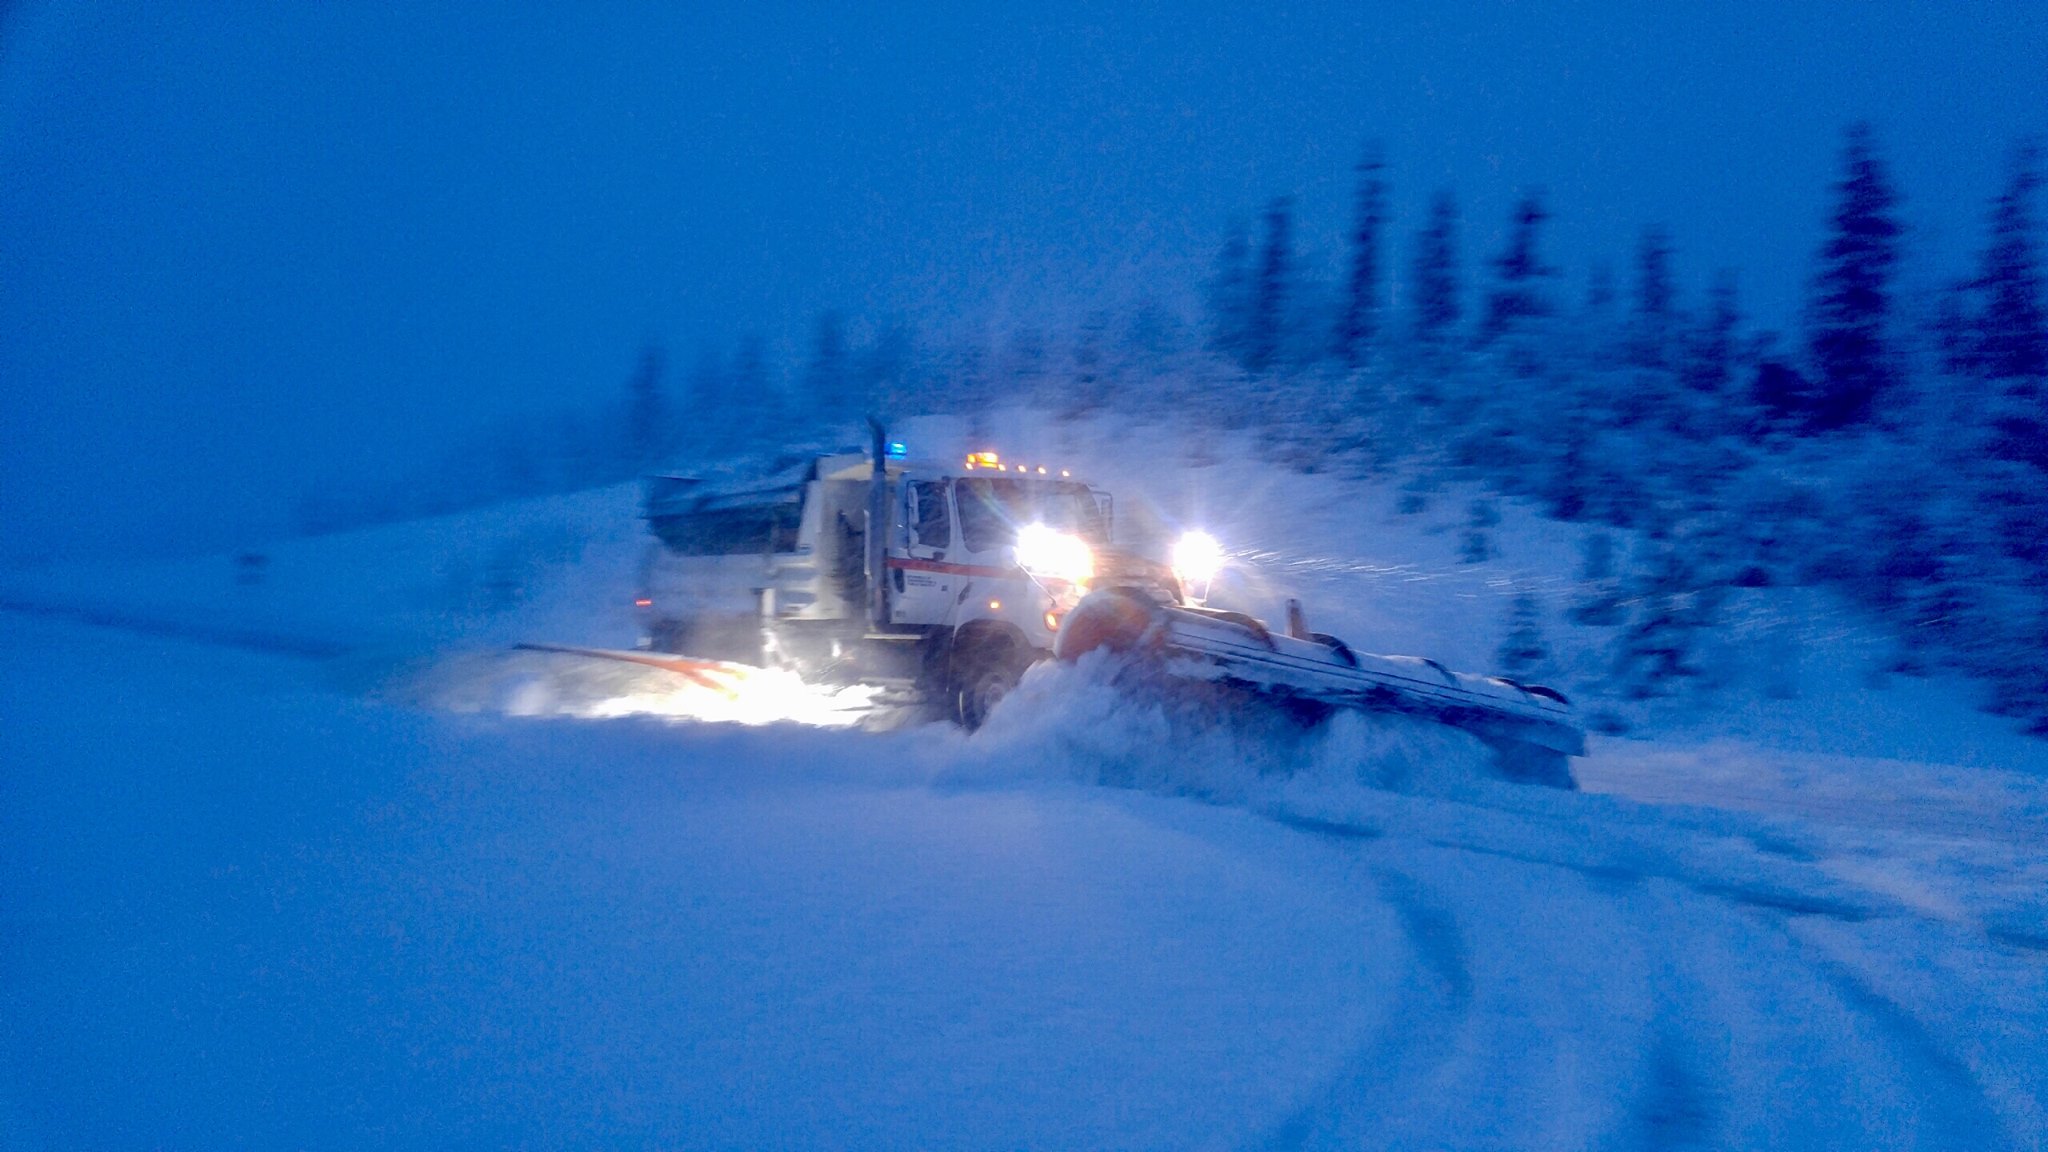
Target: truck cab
<point x="979" y="560"/>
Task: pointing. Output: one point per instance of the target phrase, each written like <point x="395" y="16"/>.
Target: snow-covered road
<point x="307" y="861"/>
<point x="245" y="908"/>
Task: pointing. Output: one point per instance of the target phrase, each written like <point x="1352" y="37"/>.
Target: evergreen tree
<point x="1654" y="654"/>
<point x="1524" y="655"/>
<point x="1358" y="318"/>
<point x="1955" y="331"/>
<point x="702" y="408"/>
<point x="1600" y="291"/>
<point x="1656" y="301"/>
<point x="1565" y="482"/>
<point x="827" y="381"/>
<point x="1706" y="407"/>
<point x="648" y="429"/>
<point x="1520" y="273"/>
<point x="757" y="405"/>
<point x="885" y="371"/>
<point x="1598" y="600"/>
<point x="1710" y="362"/>
<point x="1475" y="543"/>
<point x="2012" y="329"/>
<point x="1090" y="388"/>
<point x="1024" y="364"/>
<point x="2008" y="343"/>
<point x="1779" y="392"/>
<point x="1267" y="334"/>
<point x="1229" y="302"/>
<point x="1850" y="312"/>
<point x="1599" y="343"/>
<point x="1433" y="274"/>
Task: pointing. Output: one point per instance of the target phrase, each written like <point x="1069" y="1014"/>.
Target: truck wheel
<point x="983" y="678"/>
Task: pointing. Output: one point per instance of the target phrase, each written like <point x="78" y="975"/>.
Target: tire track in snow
<point x="1961" y="1114"/>
<point x="1788" y="1071"/>
<point x="1435" y="937"/>
<point x="1676" y="1109"/>
<point x="1682" y="1103"/>
<point x="1712" y="958"/>
<point x="1405" y="1055"/>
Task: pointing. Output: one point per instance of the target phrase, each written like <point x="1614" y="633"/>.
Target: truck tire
<point x="982" y="674"/>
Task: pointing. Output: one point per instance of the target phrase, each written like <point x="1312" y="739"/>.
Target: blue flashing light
<point x="898" y="450"/>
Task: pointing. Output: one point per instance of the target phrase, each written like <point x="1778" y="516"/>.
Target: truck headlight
<point x="1197" y="557"/>
<point x="1058" y="555"/>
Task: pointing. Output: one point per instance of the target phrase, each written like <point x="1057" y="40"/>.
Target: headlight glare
<point x="1197" y="557"/>
<point x="1042" y="551"/>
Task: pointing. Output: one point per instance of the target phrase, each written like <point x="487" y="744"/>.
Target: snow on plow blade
<point x="1532" y="730"/>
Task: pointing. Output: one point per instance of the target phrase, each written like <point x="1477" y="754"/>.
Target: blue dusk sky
<point x="245" y="247"/>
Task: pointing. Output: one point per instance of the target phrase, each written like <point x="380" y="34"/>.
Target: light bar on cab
<point x="984" y="461"/>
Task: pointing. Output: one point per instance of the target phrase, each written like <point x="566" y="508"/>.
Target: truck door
<point x="923" y="580"/>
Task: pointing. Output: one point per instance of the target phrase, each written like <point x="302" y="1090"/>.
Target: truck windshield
<point x="992" y="508"/>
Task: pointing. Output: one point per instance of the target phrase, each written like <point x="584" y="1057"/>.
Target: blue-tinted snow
<point x="260" y="894"/>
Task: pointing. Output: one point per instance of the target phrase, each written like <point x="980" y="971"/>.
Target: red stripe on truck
<point x="913" y="565"/>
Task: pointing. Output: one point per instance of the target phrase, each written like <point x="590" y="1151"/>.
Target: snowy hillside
<point x="296" y="852"/>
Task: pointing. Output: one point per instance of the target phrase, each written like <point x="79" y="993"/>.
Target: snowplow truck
<point x="943" y="580"/>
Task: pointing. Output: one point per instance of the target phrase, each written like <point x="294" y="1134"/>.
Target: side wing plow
<point x="1532" y="730"/>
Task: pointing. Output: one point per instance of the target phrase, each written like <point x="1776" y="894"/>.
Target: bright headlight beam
<point x="1197" y="557"/>
<point x="1042" y="551"/>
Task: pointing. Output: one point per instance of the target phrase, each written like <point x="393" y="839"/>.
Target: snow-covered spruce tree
<point x="2012" y="330"/>
<point x="886" y="373"/>
<point x="1564" y="488"/>
<point x="1701" y="436"/>
<point x="1158" y="353"/>
<point x="1475" y="543"/>
<point x="1990" y="563"/>
<point x="1655" y="654"/>
<point x="703" y="418"/>
<point x="650" y="429"/>
<point x="1267" y="330"/>
<point x="1511" y="421"/>
<point x="1649" y="398"/>
<point x="1575" y="414"/>
<point x="828" y="377"/>
<point x="1654" y="320"/>
<point x="1524" y="654"/>
<point x="1850" y="314"/>
<point x="1521" y="279"/>
<point x="1229" y="297"/>
<point x="2009" y="345"/>
<point x="1781" y="397"/>
<point x="1434" y="308"/>
<point x="1596" y="315"/>
<point x="755" y="407"/>
<point x="1358" y="312"/>
<point x="1022" y="368"/>
<point x="1884" y="503"/>
<point x="1597" y="600"/>
<point x="1708" y="372"/>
